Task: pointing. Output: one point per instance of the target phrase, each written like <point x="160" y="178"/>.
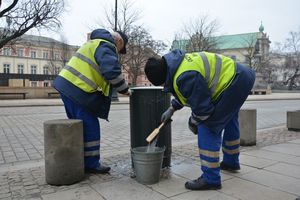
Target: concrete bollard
<point x="247" y="120"/>
<point x="64" y="155"/>
<point x="293" y="120"/>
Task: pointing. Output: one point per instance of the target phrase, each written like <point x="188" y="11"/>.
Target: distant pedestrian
<point x="85" y="85"/>
<point x="214" y="87"/>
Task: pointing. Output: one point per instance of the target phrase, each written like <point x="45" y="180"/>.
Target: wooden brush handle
<point x="154" y="133"/>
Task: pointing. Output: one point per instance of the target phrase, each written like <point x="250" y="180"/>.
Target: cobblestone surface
<point x="30" y="183"/>
<point x="22" y="147"/>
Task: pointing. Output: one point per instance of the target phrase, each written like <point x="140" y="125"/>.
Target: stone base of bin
<point x="64" y="153"/>
<point x="293" y="120"/>
<point x="247" y="120"/>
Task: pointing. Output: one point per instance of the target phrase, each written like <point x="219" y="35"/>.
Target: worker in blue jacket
<point x="85" y="84"/>
<point x="214" y="87"/>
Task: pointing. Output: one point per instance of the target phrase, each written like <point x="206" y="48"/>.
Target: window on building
<point x="20" y="69"/>
<point x="45" y="55"/>
<point x="57" y="69"/>
<point x="20" y="52"/>
<point x="56" y="56"/>
<point x="6" y="68"/>
<point x="6" y="51"/>
<point x="33" y="69"/>
<point x="45" y="70"/>
<point x="33" y="84"/>
<point x="33" y="54"/>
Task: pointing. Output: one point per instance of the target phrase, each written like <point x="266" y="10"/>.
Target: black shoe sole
<point x="211" y="187"/>
<point x="94" y="171"/>
<point x="228" y="168"/>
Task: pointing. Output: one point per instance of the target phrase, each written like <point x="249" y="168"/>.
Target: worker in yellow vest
<point x="214" y="87"/>
<point x="85" y="85"/>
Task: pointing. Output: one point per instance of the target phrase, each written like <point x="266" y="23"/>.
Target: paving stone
<point x="246" y="190"/>
<point x="274" y="180"/>
<point x="192" y="171"/>
<point x="5" y="195"/>
<point x="203" y="195"/>
<point x="296" y="141"/>
<point x="295" y="160"/>
<point x="255" y="161"/>
<point x="287" y="148"/>
<point x="269" y="155"/>
<point x="125" y="189"/>
<point x="285" y="169"/>
<point x="83" y="193"/>
<point x="170" y="186"/>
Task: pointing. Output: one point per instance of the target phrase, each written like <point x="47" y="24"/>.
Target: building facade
<point x="248" y="48"/>
<point x="33" y="61"/>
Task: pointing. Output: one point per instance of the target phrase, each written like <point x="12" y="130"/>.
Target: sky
<point x="164" y="18"/>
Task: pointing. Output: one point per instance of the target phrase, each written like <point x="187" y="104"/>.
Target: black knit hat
<point x="156" y="71"/>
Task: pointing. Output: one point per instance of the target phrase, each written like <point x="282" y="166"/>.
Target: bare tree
<point x="59" y="55"/>
<point x="199" y="33"/>
<point x="140" y="46"/>
<point x="20" y="16"/>
<point x="292" y="63"/>
<point x="250" y="52"/>
<point x="127" y="16"/>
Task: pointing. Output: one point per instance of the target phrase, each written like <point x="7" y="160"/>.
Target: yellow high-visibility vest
<point x="83" y="71"/>
<point x="217" y="70"/>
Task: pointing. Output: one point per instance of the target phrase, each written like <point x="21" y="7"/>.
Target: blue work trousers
<point x="91" y="132"/>
<point x="209" y="144"/>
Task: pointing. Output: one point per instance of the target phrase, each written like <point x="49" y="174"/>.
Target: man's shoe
<point x="100" y="170"/>
<point x="224" y="166"/>
<point x="201" y="184"/>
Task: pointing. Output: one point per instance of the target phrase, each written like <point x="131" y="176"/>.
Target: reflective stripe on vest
<point x="83" y="71"/>
<point x="218" y="71"/>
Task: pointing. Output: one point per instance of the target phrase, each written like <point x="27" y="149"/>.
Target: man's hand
<point x="166" y="116"/>
<point x="193" y="125"/>
<point x="128" y="93"/>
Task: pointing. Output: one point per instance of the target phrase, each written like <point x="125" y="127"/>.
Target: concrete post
<point x="293" y="120"/>
<point x="64" y="155"/>
<point x="247" y="119"/>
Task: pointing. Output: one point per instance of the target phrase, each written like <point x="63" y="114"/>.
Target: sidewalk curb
<point x="49" y="104"/>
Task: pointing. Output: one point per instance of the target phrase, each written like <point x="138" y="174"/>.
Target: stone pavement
<point x="270" y="170"/>
<point x="124" y="99"/>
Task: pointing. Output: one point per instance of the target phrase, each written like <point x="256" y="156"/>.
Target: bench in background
<point x="14" y="93"/>
<point x="51" y="94"/>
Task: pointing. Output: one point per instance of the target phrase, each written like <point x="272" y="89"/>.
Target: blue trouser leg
<point x="231" y="142"/>
<point x="91" y="132"/>
<point x="209" y="144"/>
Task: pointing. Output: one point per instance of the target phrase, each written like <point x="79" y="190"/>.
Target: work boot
<point x="226" y="167"/>
<point x="99" y="170"/>
<point x="201" y="184"/>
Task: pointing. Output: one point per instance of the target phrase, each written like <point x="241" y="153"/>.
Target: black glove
<point x="166" y="116"/>
<point x="193" y="125"/>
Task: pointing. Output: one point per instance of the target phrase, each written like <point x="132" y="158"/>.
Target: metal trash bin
<point x="146" y="107"/>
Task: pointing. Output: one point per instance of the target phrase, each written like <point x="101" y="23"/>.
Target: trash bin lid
<point x="147" y="88"/>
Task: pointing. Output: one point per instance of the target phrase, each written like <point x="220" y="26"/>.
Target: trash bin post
<point x="146" y="107"/>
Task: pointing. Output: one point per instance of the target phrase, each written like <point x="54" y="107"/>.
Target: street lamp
<point x="116" y="14"/>
<point x="114" y="96"/>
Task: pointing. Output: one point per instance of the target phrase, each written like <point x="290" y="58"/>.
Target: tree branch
<point x="14" y="3"/>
